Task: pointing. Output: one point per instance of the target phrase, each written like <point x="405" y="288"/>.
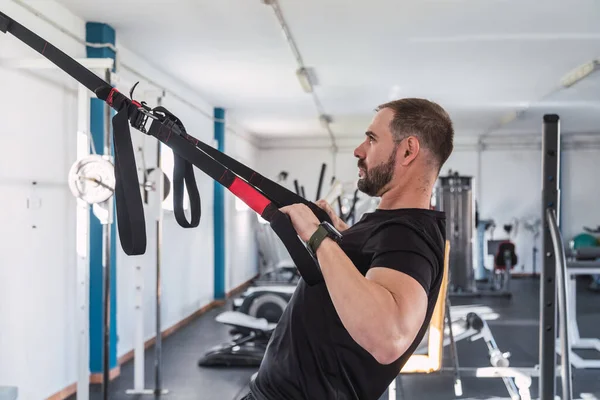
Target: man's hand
<point x="303" y="219"/>
<point x="337" y="221"/>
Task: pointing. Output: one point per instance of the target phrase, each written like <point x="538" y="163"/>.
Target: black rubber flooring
<point x="516" y="331"/>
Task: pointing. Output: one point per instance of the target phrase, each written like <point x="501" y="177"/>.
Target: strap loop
<point x="183" y="172"/>
<point x="306" y="264"/>
<point x="130" y="210"/>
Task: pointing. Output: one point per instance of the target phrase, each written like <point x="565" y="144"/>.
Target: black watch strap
<point x="317" y="238"/>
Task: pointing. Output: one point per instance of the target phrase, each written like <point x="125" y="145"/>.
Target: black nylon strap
<point x="275" y="192"/>
<point x="183" y="171"/>
<point x="130" y="210"/>
<point x="4" y="23"/>
<point x="307" y="265"/>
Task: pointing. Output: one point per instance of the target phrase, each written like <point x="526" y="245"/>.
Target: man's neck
<point x="416" y="194"/>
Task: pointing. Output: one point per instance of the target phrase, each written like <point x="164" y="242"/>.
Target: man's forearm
<point x="363" y="306"/>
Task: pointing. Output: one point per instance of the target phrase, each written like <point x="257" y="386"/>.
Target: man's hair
<point x="426" y="120"/>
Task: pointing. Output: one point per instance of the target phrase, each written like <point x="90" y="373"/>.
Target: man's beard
<point x="377" y="177"/>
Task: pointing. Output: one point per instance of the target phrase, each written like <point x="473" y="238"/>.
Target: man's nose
<point x="358" y="153"/>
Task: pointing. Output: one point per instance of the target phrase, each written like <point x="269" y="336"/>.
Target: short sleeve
<point x="401" y="248"/>
<point x="412" y="264"/>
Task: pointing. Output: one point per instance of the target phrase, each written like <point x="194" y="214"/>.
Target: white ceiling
<point x="478" y="59"/>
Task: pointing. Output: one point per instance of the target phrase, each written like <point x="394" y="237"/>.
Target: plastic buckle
<point x="142" y="113"/>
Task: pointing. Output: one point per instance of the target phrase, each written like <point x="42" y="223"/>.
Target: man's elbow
<point x="388" y="351"/>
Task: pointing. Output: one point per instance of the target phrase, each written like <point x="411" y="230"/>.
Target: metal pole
<point x="106" y="258"/>
<point x="159" y="222"/>
<point x="550" y="197"/>
<point x="320" y="185"/>
<point x="458" y="392"/>
<point x="563" y="309"/>
<point x="480" y="149"/>
<point x="83" y="253"/>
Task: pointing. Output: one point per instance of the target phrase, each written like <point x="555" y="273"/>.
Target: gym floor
<point x="516" y="331"/>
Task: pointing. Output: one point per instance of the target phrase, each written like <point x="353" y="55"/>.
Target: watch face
<point x="334" y="234"/>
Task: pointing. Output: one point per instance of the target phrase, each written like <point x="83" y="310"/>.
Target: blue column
<point x="219" y="212"/>
<point x="101" y="33"/>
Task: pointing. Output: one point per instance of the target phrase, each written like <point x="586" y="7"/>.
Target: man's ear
<point x="411" y="150"/>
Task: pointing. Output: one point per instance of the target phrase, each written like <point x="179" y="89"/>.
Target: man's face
<point x="377" y="155"/>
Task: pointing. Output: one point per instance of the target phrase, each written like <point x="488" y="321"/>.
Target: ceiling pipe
<point x="304" y="75"/>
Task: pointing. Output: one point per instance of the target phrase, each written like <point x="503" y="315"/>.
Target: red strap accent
<point x="109" y="99"/>
<point x="249" y="195"/>
<point x="138" y="105"/>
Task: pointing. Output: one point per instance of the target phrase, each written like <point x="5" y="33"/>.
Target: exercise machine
<point x="253" y="319"/>
<point x="588" y="239"/>
<point x="454" y="196"/>
<point x="248" y="345"/>
<point x="505" y="258"/>
<point x="266" y="302"/>
<point x="483" y="227"/>
<point x="582" y="261"/>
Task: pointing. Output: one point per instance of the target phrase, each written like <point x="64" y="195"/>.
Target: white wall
<point x="304" y="164"/>
<point x="241" y="259"/>
<point x="510" y="180"/>
<point x="38" y="266"/>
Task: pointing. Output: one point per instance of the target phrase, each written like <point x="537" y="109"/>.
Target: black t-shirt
<point x="311" y="356"/>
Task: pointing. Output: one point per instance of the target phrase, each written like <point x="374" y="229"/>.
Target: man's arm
<point x="383" y="312"/>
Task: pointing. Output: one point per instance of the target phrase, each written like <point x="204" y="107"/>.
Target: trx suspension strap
<point x="261" y="194"/>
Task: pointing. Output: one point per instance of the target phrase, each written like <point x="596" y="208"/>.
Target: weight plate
<point x="92" y="179"/>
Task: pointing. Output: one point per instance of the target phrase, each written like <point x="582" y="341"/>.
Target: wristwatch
<point x="324" y="230"/>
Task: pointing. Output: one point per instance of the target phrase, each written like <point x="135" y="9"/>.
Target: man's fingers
<point x="325" y="206"/>
<point x="285" y="210"/>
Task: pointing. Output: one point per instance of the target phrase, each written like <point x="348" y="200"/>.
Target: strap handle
<point x="183" y="172"/>
<point x="130" y="210"/>
<point x="305" y="262"/>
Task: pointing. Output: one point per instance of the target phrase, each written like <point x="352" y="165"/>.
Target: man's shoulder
<point x="407" y="229"/>
<point x="404" y="220"/>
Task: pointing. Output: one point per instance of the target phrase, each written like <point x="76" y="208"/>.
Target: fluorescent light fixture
<point x="305" y="79"/>
<point x="579" y="73"/>
<point x="510" y="117"/>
